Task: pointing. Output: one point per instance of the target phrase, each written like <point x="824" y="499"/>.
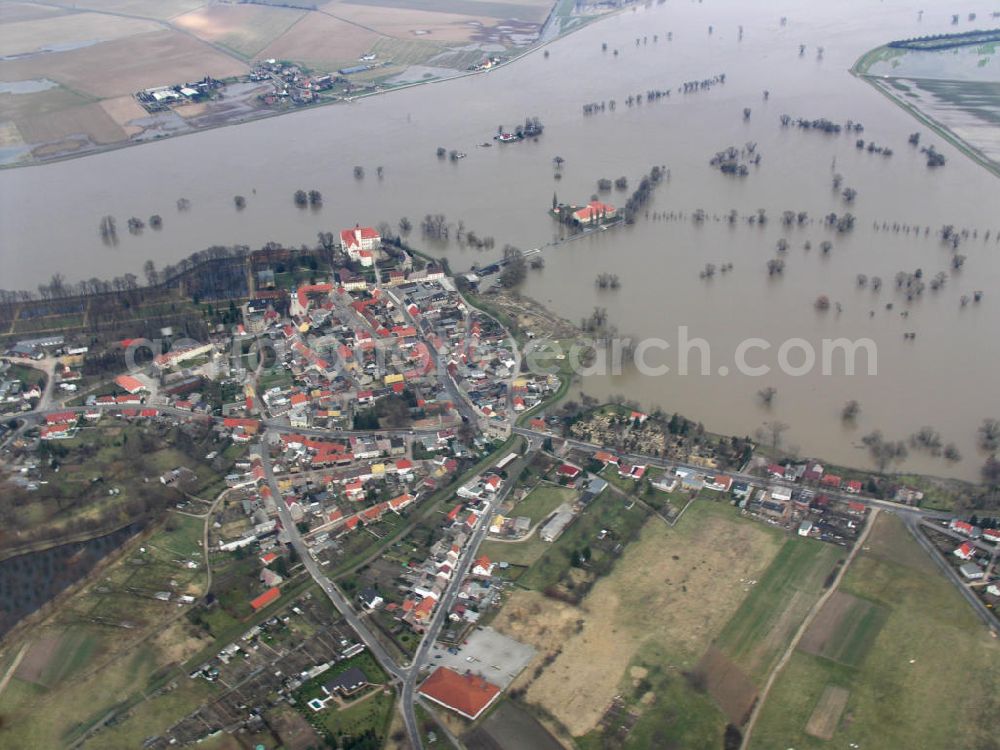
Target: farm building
<point x="971" y="571"/>
<point x="557" y="524"/>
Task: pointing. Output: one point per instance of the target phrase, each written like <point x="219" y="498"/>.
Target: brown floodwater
<point x="946" y="377"/>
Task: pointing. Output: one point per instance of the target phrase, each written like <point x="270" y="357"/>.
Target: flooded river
<point x="945" y="377"/>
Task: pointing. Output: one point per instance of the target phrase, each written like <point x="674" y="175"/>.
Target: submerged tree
<point x="989" y="435"/>
<point x="108" y="228"/>
<point x="850" y="411"/>
<point x="884" y="452"/>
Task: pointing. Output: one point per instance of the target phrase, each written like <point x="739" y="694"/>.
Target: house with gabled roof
<point x="483" y="567"/>
<point x="965" y="551"/>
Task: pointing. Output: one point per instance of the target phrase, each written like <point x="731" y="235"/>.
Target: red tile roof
<point x="266" y="598"/>
<point x="128" y="383"/>
<point x="352" y="237"/>
<point x="468" y="695"/>
<point x="594" y="210"/>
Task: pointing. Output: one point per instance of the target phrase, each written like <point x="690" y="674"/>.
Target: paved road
<point x="913" y="523"/>
<point x="271" y="424"/>
<point x="458" y="397"/>
<point x="898" y="508"/>
<point x="342" y="605"/>
<point x="979" y="544"/>
<point x="447" y="601"/>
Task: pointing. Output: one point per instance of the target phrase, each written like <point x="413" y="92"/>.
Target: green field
<point x="79" y="697"/>
<point x="83" y="669"/>
<point x="776" y="605"/>
<point x="24" y="373"/>
<point x="676" y="716"/>
<point x="370" y="715"/>
<point x="608" y="511"/>
<point x="153" y="716"/>
<point x="516" y="553"/>
<point x="855" y="633"/>
<point x="665" y="602"/>
<point x="930" y="679"/>
<point x="542" y="500"/>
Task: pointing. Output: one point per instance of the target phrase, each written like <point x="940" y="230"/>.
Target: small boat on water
<point x="507" y="137"/>
<point x="485" y="144"/>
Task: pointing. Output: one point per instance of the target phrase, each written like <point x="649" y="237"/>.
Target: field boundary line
<point x="772" y="678"/>
<point x="9" y="674"/>
<point x="678" y="518"/>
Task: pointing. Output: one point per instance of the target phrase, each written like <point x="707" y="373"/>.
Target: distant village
<point x="289" y="84"/>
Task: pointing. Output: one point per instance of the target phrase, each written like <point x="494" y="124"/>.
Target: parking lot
<point x="486" y="652"/>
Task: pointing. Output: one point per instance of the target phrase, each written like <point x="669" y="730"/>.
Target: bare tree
<point x="772" y="433"/>
<point x="514" y="267"/>
<point x="927" y="439"/>
<point x="989" y="435"/>
<point x="991" y="473"/>
<point x="149" y="270"/>
<point x="884" y="452"/>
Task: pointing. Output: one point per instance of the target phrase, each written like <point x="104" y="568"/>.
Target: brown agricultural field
<point x="676" y="587"/>
<point x="319" y="39"/>
<point x="124" y="109"/>
<point x="124" y="66"/>
<point x="533" y="11"/>
<point x="402" y="23"/>
<point x="161" y="9"/>
<point x="828" y="621"/>
<point x="38" y="658"/>
<point x="12" y="12"/>
<point x="88" y="119"/>
<point x="245" y="29"/>
<point x="826" y="716"/>
<point x="16" y="106"/>
<point x="728" y="685"/>
<point x="24" y="37"/>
